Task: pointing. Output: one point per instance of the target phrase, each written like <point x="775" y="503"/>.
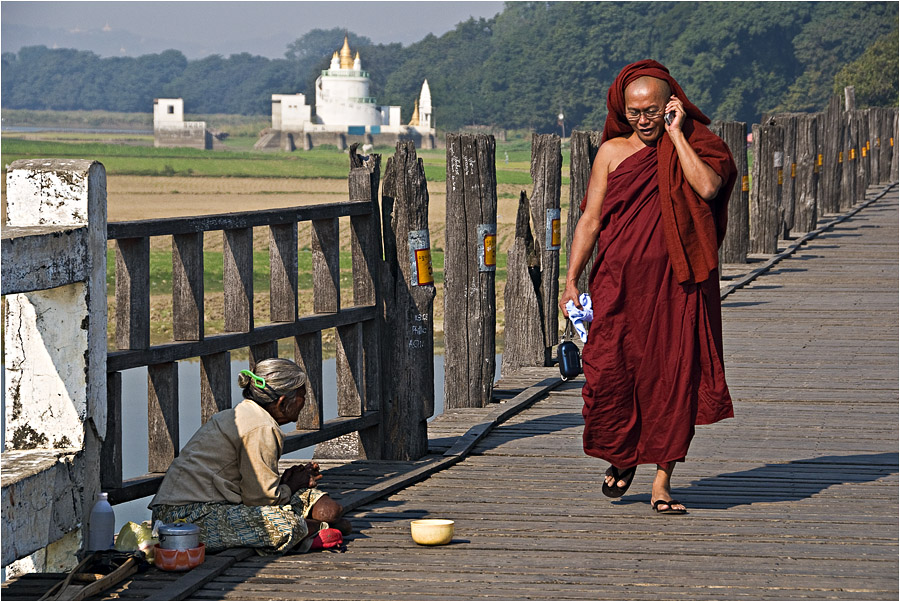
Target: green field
<point x="323" y="162"/>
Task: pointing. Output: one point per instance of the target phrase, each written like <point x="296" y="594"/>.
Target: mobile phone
<point x="669" y="117"/>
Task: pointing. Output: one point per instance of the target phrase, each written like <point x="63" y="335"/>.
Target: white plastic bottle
<point x="101" y="530"/>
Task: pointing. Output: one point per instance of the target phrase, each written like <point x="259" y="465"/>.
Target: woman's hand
<point x="301" y="477"/>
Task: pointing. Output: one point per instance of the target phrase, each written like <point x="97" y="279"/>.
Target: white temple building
<point x="171" y="130"/>
<point x="345" y="112"/>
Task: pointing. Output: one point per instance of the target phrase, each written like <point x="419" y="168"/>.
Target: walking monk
<point x="656" y="208"/>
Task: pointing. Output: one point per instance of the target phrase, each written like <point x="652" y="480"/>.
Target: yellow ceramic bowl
<point x="431" y="531"/>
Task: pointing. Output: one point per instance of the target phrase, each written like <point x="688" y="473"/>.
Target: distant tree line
<point x="736" y="60"/>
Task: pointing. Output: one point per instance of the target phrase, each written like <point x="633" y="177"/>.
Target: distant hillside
<point x="736" y="60"/>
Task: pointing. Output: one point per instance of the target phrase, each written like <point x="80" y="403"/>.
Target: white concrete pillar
<point x="54" y="279"/>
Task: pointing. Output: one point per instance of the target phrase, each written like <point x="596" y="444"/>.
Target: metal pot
<point x="179" y="536"/>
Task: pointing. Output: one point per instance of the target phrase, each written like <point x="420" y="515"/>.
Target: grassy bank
<point x="240" y="161"/>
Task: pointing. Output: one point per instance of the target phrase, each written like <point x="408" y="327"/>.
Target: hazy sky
<point x="200" y="28"/>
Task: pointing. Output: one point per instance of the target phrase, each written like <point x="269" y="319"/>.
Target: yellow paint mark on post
<point x="490" y="250"/>
<point x="556" y="237"/>
<point x="424" y="271"/>
<point x="745" y="183"/>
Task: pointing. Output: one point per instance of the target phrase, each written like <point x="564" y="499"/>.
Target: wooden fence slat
<point x="133" y="293"/>
<point x="847" y="159"/>
<point x="308" y="355"/>
<point x="351" y="391"/>
<point x="262" y="351"/>
<point x="232" y="221"/>
<point x="367" y="258"/>
<point x="215" y="384"/>
<point x="326" y="266"/>
<point x="283" y="267"/>
<point x="187" y="287"/>
<point x="111" y="451"/>
<point x="584" y="147"/>
<point x="162" y="415"/>
<point x="123" y="360"/>
<point x="363" y="259"/>
<point x="238" y="279"/>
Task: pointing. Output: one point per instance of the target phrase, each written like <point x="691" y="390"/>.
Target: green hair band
<point x="258" y="381"/>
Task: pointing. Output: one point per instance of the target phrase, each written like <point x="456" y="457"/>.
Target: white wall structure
<point x="290" y="112"/>
<point x="54" y="279"/>
<point x="171" y="130"/>
<point x="167" y="111"/>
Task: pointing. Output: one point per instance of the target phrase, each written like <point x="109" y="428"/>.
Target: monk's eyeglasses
<point x="650" y="114"/>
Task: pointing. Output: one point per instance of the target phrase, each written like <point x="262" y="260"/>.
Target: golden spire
<point x="415" y="116"/>
<point x="346" y="55"/>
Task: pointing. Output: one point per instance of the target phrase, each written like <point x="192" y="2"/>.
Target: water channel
<point x="134" y="416"/>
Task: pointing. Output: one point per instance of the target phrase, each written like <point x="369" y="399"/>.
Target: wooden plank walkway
<point x="795" y="498"/>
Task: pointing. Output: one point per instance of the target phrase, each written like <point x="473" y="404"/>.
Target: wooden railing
<point x="355" y="321"/>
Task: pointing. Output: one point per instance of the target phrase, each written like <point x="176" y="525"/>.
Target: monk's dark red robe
<point x="653" y="358"/>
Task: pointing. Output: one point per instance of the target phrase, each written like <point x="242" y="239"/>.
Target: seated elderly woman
<point x="226" y="480"/>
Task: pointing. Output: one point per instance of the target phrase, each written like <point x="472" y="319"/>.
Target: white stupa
<point x="344" y="107"/>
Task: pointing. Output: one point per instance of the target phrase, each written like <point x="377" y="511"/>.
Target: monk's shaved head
<point x="648" y="88"/>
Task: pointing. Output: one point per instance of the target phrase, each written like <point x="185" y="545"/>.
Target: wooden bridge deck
<point x="794" y="498"/>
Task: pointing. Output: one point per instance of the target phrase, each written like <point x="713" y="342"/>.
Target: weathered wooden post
<point x="862" y="167"/>
<point x="737" y="237"/>
<point x="895" y="143"/>
<point x="546" y="174"/>
<point x="877" y="117"/>
<point x="523" y="330"/>
<point x="888" y="148"/>
<point x="806" y="213"/>
<point x="768" y="160"/>
<point x="408" y="288"/>
<point x="788" y="122"/>
<point x="470" y="307"/>
<point x="584" y="146"/>
<point x="847" y="160"/>
<point x="831" y="168"/>
<point x="533" y="264"/>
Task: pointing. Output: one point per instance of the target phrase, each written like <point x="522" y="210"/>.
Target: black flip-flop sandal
<point x="670" y="509"/>
<point x="626" y="475"/>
